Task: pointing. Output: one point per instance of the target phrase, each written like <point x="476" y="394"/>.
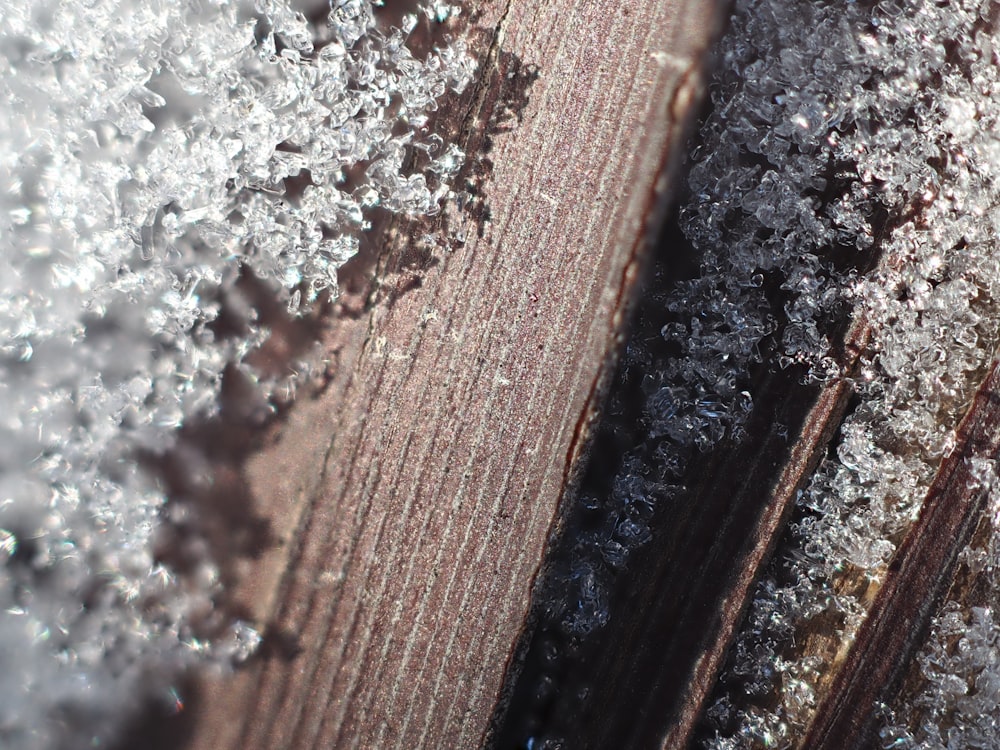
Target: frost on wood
<point x="145" y="152"/>
<point x="837" y="128"/>
<point x="850" y="167"/>
<point x="957" y="696"/>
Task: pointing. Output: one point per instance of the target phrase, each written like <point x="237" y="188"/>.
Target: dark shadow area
<point x="623" y="682"/>
<point x="164" y="725"/>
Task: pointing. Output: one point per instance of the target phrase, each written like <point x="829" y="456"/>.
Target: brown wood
<point x="678" y="610"/>
<point x="412" y="497"/>
<point x="736" y="588"/>
<point x="918" y="577"/>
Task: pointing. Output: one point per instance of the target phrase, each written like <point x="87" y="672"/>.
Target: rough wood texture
<point x="414" y="495"/>
<point x="918" y="577"/>
<point x="677" y="612"/>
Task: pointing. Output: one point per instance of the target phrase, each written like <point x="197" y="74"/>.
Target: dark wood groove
<point x="683" y="616"/>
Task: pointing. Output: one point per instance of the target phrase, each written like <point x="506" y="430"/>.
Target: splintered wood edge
<point x="412" y="498"/>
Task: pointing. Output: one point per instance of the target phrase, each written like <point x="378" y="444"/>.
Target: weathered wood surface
<point x="411" y="499"/>
<point x="918" y="577"/>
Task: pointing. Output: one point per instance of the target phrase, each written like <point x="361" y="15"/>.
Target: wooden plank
<point x="647" y="676"/>
<point x="918" y="577"/>
<point x="412" y="497"/>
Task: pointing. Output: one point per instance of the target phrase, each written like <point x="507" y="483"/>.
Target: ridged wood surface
<point x="410" y="500"/>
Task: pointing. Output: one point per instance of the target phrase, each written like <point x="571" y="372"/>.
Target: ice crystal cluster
<point x="958" y="701"/>
<point x="151" y="155"/>
<point x="841" y="132"/>
<point x="958" y="706"/>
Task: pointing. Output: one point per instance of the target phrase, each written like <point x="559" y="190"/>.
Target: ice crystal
<point x="958" y="703"/>
<point x="849" y="127"/>
<point x="849" y="169"/>
<point x="152" y="153"/>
